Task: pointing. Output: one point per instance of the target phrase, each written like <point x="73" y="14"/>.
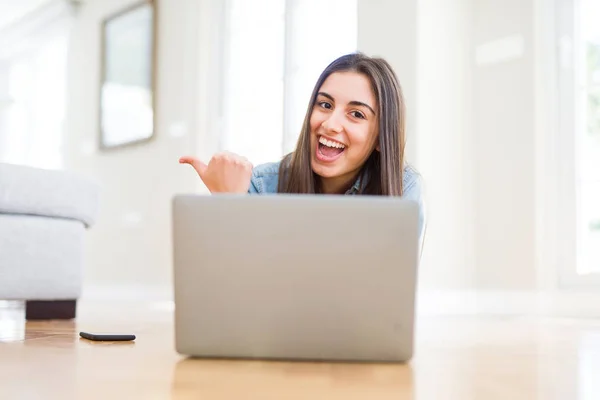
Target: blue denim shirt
<point x="265" y="179"/>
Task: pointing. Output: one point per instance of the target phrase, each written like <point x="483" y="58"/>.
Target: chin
<point x="325" y="171"/>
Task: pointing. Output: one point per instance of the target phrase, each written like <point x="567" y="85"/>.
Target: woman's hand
<point x="225" y="173"/>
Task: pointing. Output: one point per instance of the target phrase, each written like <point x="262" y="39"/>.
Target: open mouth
<point x="329" y="150"/>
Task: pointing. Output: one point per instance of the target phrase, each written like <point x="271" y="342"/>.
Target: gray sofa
<point x="44" y="215"/>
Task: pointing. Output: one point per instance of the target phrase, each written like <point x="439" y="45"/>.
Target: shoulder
<point x="412" y="182"/>
<point x="265" y="178"/>
<point x="266" y="169"/>
<point x="413" y="190"/>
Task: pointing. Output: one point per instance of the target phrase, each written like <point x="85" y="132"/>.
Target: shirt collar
<point x="354" y="189"/>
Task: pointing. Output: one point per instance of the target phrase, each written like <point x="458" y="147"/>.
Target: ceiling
<point x="12" y="10"/>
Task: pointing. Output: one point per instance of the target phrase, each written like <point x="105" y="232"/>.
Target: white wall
<point x="445" y="141"/>
<point x="131" y="243"/>
<point x="477" y="143"/>
<point x="504" y="127"/>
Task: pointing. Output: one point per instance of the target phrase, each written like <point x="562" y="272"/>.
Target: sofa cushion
<point x="40" y="258"/>
<point x="49" y="193"/>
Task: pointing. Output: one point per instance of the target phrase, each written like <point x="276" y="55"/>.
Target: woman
<point x="352" y="142"/>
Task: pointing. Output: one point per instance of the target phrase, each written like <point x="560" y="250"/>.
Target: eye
<point x="324" y="104"/>
<point x="358" y="114"/>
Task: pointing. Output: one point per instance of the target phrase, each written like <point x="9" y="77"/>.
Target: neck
<point x="337" y="185"/>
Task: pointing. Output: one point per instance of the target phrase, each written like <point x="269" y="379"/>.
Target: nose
<point x="334" y="123"/>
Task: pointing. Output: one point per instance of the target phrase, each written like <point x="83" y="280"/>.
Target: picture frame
<point x="127" y="93"/>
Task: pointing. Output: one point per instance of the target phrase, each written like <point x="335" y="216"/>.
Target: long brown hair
<point x="382" y="173"/>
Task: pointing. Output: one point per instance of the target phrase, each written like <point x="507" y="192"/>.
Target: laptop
<point x="295" y="277"/>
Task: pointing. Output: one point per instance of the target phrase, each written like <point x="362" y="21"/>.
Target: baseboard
<point x="127" y="293"/>
<point x="429" y="302"/>
<point x="515" y="303"/>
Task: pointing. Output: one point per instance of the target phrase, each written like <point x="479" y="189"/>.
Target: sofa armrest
<point x="50" y="193"/>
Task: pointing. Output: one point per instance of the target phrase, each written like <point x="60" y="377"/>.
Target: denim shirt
<point x="265" y="179"/>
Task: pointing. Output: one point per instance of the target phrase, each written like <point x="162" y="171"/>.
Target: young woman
<point x="352" y="142"/>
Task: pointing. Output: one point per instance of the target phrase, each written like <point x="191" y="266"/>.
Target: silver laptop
<point x="295" y="277"/>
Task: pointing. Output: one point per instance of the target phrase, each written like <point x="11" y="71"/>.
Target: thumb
<point x="198" y="165"/>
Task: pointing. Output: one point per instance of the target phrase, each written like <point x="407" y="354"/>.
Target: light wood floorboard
<point x="457" y="358"/>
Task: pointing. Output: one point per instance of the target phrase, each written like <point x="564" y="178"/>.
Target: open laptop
<point x="295" y="277"/>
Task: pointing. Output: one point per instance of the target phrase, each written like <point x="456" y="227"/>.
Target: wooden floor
<point x="458" y="358"/>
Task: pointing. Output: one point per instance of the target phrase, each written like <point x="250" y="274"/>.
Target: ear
<point x="377" y="148"/>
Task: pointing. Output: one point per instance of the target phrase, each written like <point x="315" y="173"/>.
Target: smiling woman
<point x="351" y="142"/>
<point x="358" y="102"/>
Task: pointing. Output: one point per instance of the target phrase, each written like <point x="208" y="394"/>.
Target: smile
<point x="329" y="150"/>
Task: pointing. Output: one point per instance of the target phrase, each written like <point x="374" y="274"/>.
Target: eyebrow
<point x="354" y="102"/>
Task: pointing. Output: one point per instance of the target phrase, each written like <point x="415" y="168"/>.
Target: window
<point x="253" y="101"/>
<point x="267" y="92"/>
<point x="32" y="96"/>
<point x="578" y="35"/>
<point x="588" y="137"/>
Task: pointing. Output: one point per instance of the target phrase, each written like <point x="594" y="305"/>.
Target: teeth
<point x="329" y="143"/>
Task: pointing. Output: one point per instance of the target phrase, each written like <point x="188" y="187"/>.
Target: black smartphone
<point x="108" y="337"/>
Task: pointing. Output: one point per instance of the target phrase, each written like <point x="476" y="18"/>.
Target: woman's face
<point x="343" y="129"/>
